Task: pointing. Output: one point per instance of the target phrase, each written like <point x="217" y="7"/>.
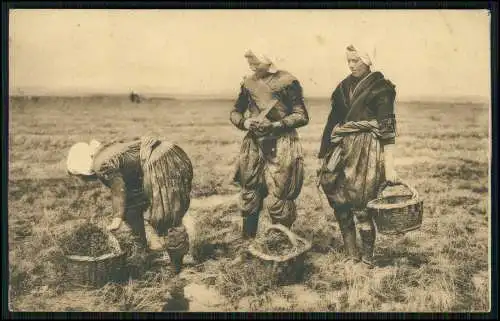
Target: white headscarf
<point x="80" y="158"/>
<point x="263" y="58"/>
<point x="365" y="52"/>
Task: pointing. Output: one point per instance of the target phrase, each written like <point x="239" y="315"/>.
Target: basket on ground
<point x="285" y="263"/>
<point x="397" y="213"/>
<point x="97" y="270"/>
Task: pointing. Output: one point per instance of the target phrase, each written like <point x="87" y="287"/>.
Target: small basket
<point x="288" y="267"/>
<point x="396" y="214"/>
<point x="97" y="271"/>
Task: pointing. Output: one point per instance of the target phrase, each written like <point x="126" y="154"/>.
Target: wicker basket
<point x="97" y="271"/>
<point x="285" y="268"/>
<point x="396" y="214"/>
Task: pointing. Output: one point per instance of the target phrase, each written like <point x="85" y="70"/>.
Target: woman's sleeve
<point x="109" y="170"/>
<point x="118" y="196"/>
<point x="299" y="116"/>
<point x="386" y="117"/>
<point x="240" y="106"/>
<point x="327" y="131"/>
<point x="111" y="175"/>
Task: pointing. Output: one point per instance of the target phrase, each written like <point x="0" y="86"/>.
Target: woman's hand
<point x="267" y="125"/>
<point x="115" y="224"/>
<point x="319" y="168"/>
<point x="319" y="165"/>
<point x="251" y="124"/>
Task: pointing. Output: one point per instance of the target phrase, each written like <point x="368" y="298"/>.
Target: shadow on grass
<point x="387" y="258"/>
<point x="402" y="252"/>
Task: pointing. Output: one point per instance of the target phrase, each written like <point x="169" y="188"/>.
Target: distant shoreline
<point x="153" y="97"/>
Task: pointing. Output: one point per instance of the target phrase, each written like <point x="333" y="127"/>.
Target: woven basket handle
<point x="279" y="227"/>
<point x="385" y="184"/>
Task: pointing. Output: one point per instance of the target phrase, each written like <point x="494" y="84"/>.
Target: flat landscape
<point x="442" y="150"/>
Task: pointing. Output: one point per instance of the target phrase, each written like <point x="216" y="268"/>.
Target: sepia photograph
<point x="190" y="160"/>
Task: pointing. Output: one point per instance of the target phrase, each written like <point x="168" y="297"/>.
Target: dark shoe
<point x="369" y="262"/>
<point x="250" y="226"/>
<point x="176" y="261"/>
<point x="348" y="230"/>
<point x="368" y="245"/>
<point x="350" y="247"/>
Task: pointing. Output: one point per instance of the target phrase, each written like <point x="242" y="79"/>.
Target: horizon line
<point x="158" y="94"/>
<point x="409" y="98"/>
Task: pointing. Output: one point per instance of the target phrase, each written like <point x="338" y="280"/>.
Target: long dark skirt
<point x="354" y="180"/>
<point x="168" y="175"/>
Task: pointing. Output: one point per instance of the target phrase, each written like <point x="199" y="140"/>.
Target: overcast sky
<point x="424" y="52"/>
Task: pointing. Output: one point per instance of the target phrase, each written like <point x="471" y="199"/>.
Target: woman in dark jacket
<point x="356" y="150"/>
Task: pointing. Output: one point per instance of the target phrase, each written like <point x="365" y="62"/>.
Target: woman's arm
<point x="299" y="116"/>
<point x="387" y="125"/>
<point x="327" y="131"/>
<point x="118" y="196"/>
<point x="240" y="106"/>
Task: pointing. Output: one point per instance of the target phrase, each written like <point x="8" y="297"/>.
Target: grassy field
<point x="442" y="150"/>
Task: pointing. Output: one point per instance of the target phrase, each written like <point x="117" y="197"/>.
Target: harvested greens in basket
<point x="274" y="243"/>
<point x="394" y="199"/>
<point x="87" y="240"/>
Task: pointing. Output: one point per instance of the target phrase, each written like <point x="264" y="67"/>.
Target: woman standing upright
<point x="270" y="107"/>
<point x="356" y="152"/>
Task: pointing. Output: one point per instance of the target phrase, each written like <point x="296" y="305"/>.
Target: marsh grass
<point x="443" y="266"/>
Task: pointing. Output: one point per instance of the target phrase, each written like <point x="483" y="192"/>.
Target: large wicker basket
<point x="397" y="213"/>
<point x="97" y="271"/>
<point x="287" y="268"/>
